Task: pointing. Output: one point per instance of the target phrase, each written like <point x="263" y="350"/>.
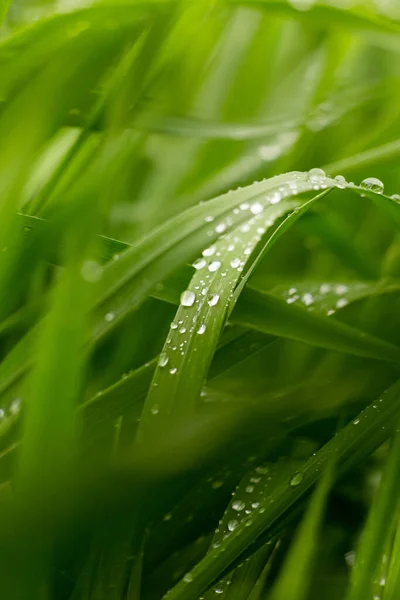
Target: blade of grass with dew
<point x="378" y="526"/>
<point x="245" y="501"/>
<point x="294" y="578"/>
<point x="127" y="281"/>
<point x="351" y="444"/>
<point x="202" y="314"/>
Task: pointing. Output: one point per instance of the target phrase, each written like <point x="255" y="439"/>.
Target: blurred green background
<point x="123" y="126"/>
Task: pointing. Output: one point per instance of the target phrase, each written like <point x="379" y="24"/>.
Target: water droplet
<point x="247" y="251"/>
<point x="341" y="289"/>
<point x="341" y="181"/>
<point x="350" y="558"/>
<point x="373" y="184"/>
<point x="201" y="329"/>
<point x="250" y="489"/>
<point x="325" y="288"/>
<point x="395" y="197"/>
<point x="109" y="317"/>
<point x="220" y="228"/>
<point x="91" y="271"/>
<point x="173" y="371"/>
<point x="167" y="517"/>
<point x="213" y="299"/>
<point x="233" y="524"/>
<point x="174" y="325"/>
<point x="307" y="299"/>
<point x="244" y="206"/>
<point x="200" y="263"/>
<point x="296" y="479"/>
<point x="255" y="505"/>
<point x="188" y="578"/>
<point x="238" y="505"/>
<point x="262" y="470"/>
<point x="155" y="409"/>
<point x="163" y="360"/>
<point x="275" y="198"/>
<point x="209" y="219"/>
<point x="231" y="247"/>
<point x="219" y="589"/>
<point x="356" y="421"/>
<point x="15" y="406"/>
<point x="209" y="251"/>
<point x="188" y="298"/>
<point x="316" y="175"/>
<point x="256" y="208"/>
<point x="214" y="266"/>
<point x="341" y="303"/>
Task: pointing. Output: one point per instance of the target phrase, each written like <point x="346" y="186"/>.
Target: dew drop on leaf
<point x="373" y="184"/>
<point x="200" y="263"/>
<point x="214" y="266"/>
<point x="233" y="524"/>
<point x="209" y="251"/>
<point x="235" y="263"/>
<point x="316" y="175"/>
<point x="238" y="505"/>
<point x="163" y="360"/>
<point x="201" y="329"/>
<point x="340" y="181"/>
<point x="213" y="300"/>
<point x="188" y="298"/>
<point x="341" y="303"/>
<point x="109" y="317"/>
<point x="296" y="479"/>
<point x="188" y="577"/>
<point x="256" y="208"/>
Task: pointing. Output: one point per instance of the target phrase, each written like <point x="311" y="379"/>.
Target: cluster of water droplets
<point x="218" y="269"/>
<point x="325" y="298"/>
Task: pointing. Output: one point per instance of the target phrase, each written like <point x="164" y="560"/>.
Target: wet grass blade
<point x="351" y="445"/>
<point x="295" y="575"/>
<point x="378" y="528"/>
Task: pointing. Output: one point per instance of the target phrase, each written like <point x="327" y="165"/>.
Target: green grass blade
<point x="294" y="578"/>
<point x="378" y="527"/>
<point x="351" y="445"/>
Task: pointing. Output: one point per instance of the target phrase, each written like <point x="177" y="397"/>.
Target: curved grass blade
<point x="274" y="316"/>
<point x="202" y="314"/>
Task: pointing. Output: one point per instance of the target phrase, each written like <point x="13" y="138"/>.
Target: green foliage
<point x="199" y="335"/>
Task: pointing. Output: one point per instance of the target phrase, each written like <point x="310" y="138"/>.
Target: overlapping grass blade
<point x="351" y="445"/>
<point x="378" y="528"/>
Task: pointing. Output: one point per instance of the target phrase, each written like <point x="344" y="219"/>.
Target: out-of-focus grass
<point x="199" y="335"/>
